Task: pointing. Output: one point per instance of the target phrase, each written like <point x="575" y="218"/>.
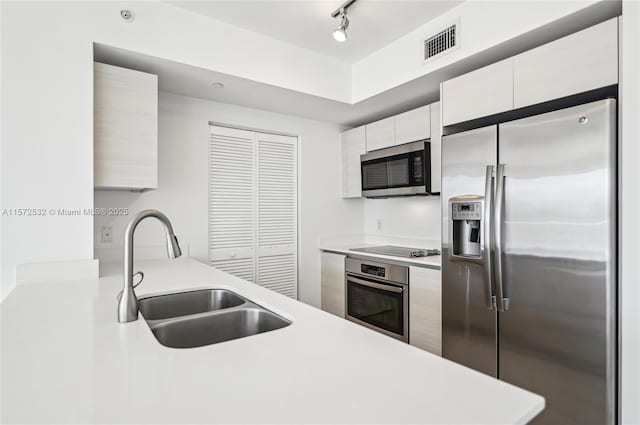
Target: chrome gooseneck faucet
<point x="128" y="303"/>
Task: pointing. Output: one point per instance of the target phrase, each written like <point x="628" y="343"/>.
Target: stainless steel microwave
<point x="403" y="170"/>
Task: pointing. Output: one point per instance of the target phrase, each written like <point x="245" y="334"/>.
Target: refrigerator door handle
<point x="487" y="236"/>
<point x="502" y="302"/>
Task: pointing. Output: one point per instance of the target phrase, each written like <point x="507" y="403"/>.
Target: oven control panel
<point x="392" y="273"/>
<point x="372" y="270"/>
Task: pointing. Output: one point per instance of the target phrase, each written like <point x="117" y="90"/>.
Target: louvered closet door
<point x="253" y="207"/>
<point x="277" y="213"/>
<point x="232" y="201"/>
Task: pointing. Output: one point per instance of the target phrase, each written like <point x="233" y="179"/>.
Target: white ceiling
<point x="308" y="24"/>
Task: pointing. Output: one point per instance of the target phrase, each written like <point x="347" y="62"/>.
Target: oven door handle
<point x="384" y="287"/>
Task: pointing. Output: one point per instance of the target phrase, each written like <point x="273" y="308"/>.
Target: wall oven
<point x="377" y="296"/>
<point x="402" y="170"/>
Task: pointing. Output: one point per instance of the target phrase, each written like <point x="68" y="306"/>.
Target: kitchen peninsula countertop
<point x="65" y="359"/>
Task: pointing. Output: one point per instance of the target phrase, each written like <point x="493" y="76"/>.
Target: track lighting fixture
<point x="340" y="33"/>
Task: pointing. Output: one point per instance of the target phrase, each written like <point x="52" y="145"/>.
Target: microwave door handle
<point x="502" y="302"/>
<point x="487" y="237"/>
<point x="388" y="288"/>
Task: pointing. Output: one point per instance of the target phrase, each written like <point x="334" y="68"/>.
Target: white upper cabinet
<point x="577" y="63"/>
<point x="381" y="134"/>
<point x="353" y="145"/>
<point x="485" y="91"/>
<point x="580" y="62"/>
<point x="399" y="129"/>
<point x="125" y="128"/>
<point x="413" y="125"/>
<point x="436" y="147"/>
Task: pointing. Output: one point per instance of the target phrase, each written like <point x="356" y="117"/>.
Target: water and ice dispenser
<point x="466" y="226"/>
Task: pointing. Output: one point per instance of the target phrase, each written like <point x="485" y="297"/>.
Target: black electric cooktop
<point x="399" y="251"/>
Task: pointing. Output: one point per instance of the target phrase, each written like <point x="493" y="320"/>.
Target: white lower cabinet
<point x="425" y="309"/>
<point x="332" y="283"/>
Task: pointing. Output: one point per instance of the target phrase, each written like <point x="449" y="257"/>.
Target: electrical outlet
<point x="106" y="234"/>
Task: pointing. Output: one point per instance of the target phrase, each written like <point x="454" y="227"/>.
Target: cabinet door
<point x="276" y="203"/>
<point x="125" y="128"/>
<point x="436" y="147"/>
<point x="353" y="145"/>
<point x="580" y="62"/>
<point x="232" y="224"/>
<point x="425" y="309"/>
<point x="480" y="93"/>
<point x="381" y="134"/>
<point x="413" y="125"/>
<point x="253" y="207"/>
<point x="332" y="283"/>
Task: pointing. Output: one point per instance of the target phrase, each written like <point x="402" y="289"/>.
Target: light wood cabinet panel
<point x="413" y="125"/>
<point x="485" y="91"/>
<point x="425" y="309"/>
<point x="577" y="63"/>
<point x="353" y="145"/>
<point x="125" y="128"/>
<point x="381" y="134"/>
<point x="332" y="283"/>
<point x="436" y="147"/>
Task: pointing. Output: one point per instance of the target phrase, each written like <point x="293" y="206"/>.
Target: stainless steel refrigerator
<point x="529" y="257"/>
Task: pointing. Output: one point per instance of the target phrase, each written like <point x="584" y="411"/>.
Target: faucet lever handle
<point x="141" y="277"/>
<point x="134" y="285"/>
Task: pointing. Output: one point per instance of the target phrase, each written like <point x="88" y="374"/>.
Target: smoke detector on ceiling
<point x="442" y="42"/>
<point x="126" y="15"/>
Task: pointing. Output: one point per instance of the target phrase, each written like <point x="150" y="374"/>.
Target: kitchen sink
<point x="214" y="328"/>
<point x="186" y="303"/>
<point x="203" y="317"/>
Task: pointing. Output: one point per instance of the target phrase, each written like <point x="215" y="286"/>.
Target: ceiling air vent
<point x="441" y="42"/>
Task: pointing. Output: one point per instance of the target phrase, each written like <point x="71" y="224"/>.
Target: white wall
<point x="47" y="147"/>
<point x="412" y="218"/>
<point x="183" y="182"/>
<point x="630" y="203"/>
<point x="483" y="24"/>
<point x="47" y="98"/>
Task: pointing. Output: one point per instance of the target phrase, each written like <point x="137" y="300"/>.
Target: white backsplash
<point x="410" y="221"/>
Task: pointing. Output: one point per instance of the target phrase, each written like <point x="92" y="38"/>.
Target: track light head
<point x="340" y="33"/>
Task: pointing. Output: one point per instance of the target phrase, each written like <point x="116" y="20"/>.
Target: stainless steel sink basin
<point x="214" y="328"/>
<point x="186" y="303"/>
<point x="203" y="317"/>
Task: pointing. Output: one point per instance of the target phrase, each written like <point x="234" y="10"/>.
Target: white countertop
<point x="432" y="262"/>
<point x="65" y="359"/>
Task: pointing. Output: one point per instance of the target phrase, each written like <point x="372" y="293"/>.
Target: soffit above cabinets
<point x="307" y="24"/>
<point x="187" y="80"/>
